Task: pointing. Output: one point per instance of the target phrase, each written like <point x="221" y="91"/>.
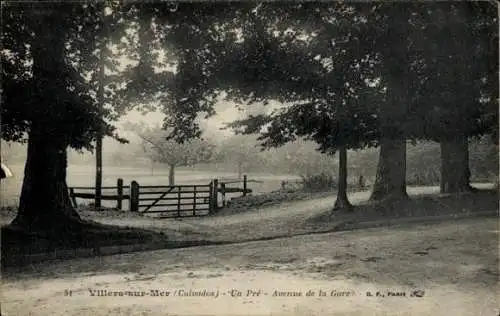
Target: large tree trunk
<point x="390" y="182"/>
<point x="44" y="203"/>
<point x="342" y="202"/>
<point x="171" y="175"/>
<point x="455" y="171"/>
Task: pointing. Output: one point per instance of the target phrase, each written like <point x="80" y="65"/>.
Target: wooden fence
<point x="89" y="193"/>
<point x="227" y="186"/>
<point x="172" y="201"/>
<point x="167" y="201"/>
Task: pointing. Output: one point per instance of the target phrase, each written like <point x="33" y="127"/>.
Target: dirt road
<point x="455" y="264"/>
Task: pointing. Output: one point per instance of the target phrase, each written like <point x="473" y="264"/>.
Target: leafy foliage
<point x="68" y="40"/>
<point x="457" y="71"/>
<point x="340" y="67"/>
<point x="170" y="152"/>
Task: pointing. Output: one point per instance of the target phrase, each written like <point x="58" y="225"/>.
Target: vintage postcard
<point x="287" y="158"/>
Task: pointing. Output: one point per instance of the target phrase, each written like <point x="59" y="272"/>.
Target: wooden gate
<point x="175" y="201"/>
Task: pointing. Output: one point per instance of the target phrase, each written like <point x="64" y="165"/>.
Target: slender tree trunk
<point x="44" y="203"/>
<point x="390" y="181"/>
<point x="98" y="173"/>
<point x="171" y="175"/>
<point x="455" y="171"/>
<point x="342" y="202"/>
<point x="497" y="158"/>
<point x="98" y="149"/>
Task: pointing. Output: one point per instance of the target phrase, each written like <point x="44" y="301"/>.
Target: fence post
<point x="72" y="196"/>
<point x="194" y="201"/>
<point x="179" y="202"/>
<point x="210" y="197"/>
<point x="216" y="195"/>
<point x="245" y="185"/>
<point x="119" y="191"/>
<point x="223" y="189"/>
<point x="134" y="196"/>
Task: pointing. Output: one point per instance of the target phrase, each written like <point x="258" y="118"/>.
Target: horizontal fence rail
<point x="167" y="186"/>
<point x="176" y="200"/>
<point x="119" y="196"/>
<point x="173" y="198"/>
<point x="185" y="200"/>
<point x="224" y="188"/>
<point x="103" y="188"/>
<point x="104" y="197"/>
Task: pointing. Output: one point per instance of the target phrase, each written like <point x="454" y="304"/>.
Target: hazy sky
<point x="226" y="113"/>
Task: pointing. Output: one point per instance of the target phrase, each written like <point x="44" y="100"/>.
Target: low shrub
<point x="418" y="178"/>
<point x="318" y="182"/>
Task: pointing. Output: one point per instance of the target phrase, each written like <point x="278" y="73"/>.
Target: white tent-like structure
<point x="5" y="172"/>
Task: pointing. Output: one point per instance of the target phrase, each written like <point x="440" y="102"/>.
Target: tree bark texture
<point x="342" y="202"/>
<point x="455" y="171"/>
<point x="390" y="182"/>
<point x="44" y="203"/>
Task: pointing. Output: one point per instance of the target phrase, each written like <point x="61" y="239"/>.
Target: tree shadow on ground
<point x="419" y="206"/>
<point x="17" y="243"/>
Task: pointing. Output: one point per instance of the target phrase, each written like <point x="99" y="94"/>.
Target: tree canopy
<point x="317" y="56"/>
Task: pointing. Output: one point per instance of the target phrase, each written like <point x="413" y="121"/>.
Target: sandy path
<point x="456" y="264"/>
<point x="307" y="207"/>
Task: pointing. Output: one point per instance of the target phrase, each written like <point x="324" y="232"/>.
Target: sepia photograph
<point x="252" y="158"/>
